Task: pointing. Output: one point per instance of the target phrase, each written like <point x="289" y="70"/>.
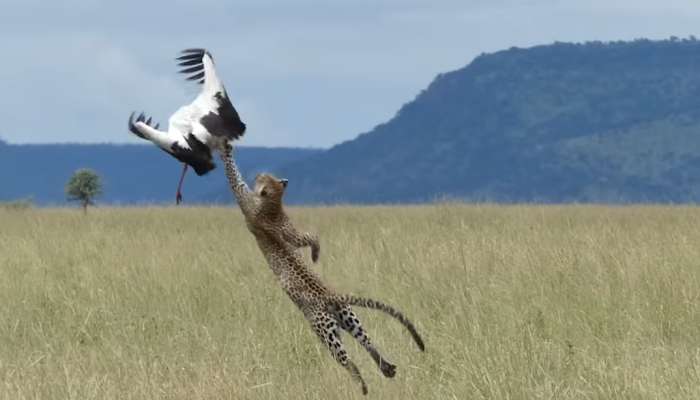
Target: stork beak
<point x="284" y="182"/>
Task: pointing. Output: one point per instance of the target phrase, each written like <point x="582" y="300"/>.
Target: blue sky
<point x="301" y="73"/>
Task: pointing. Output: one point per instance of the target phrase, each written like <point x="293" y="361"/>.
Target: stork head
<point x="270" y="188"/>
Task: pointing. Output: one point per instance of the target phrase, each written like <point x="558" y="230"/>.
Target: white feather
<point x="212" y="84"/>
<point x="164" y="140"/>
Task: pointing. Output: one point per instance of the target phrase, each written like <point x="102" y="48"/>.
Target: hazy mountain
<point x="132" y="174"/>
<point x="600" y="122"/>
<point x="564" y="122"/>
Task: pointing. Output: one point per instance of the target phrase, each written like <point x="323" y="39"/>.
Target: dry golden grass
<point x="519" y="302"/>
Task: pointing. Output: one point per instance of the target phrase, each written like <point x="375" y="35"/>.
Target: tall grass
<point x="21" y="204"/>
<point x="513" y="302"/>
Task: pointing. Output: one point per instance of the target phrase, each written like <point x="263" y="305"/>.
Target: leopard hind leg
<point x="326" y="327"/>
<point x="351" y="324"/>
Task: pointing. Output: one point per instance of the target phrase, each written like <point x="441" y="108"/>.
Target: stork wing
<point x="212" y="108"/>
<point x="140" y="118"/>
<point x="186" y="148"/>
<point x="200" y="67"/>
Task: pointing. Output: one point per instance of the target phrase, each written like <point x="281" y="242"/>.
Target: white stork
<point x="196" y="129"/>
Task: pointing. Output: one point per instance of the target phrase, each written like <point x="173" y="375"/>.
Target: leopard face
<point x="270" y="188"/>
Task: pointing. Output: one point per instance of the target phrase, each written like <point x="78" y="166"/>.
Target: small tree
<point x="84" y="186"/>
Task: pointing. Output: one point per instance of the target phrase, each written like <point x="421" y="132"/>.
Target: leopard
<point x="326" y="310"/>
<point x="271" y="216"/>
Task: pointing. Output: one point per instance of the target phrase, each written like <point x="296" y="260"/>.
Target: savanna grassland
<point x="518" y="302"/>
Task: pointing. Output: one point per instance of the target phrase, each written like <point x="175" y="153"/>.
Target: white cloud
<point x="77" y="89"/>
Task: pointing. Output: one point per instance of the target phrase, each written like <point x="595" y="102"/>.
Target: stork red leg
<point x="178" y="195"/>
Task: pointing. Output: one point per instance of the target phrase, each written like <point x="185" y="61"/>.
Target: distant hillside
<point x="594" y="122"/>
<point x="610" y="122"/>
<point x="132" y="174"/>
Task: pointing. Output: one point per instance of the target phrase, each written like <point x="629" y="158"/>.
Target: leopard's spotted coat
<point x="278" y="241"/>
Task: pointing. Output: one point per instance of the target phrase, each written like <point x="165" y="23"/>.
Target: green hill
<point x="599" y="122"/>
<point x="593" y="122"/>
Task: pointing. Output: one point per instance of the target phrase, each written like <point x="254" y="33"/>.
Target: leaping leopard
<point x="322" y="307"/>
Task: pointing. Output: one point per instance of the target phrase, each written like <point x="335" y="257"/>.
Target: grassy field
<point x="513" y="303"/>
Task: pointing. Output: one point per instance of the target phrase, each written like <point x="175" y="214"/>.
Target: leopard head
<point x="269" y="188"/>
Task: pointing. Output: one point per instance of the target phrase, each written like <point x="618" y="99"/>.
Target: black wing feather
<point x="190" y="62"/>
<point x="198" y="156"/>
<point x="196" y="68"/>
<point x="225" y="122"/>
<point x="196" y="76"/>
<point x="197" y="50"/>
<point x="193" y="58"/>
<point x="140" y="118"/>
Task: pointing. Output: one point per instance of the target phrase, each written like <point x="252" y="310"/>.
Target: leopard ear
<point x="263" y="192"/>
